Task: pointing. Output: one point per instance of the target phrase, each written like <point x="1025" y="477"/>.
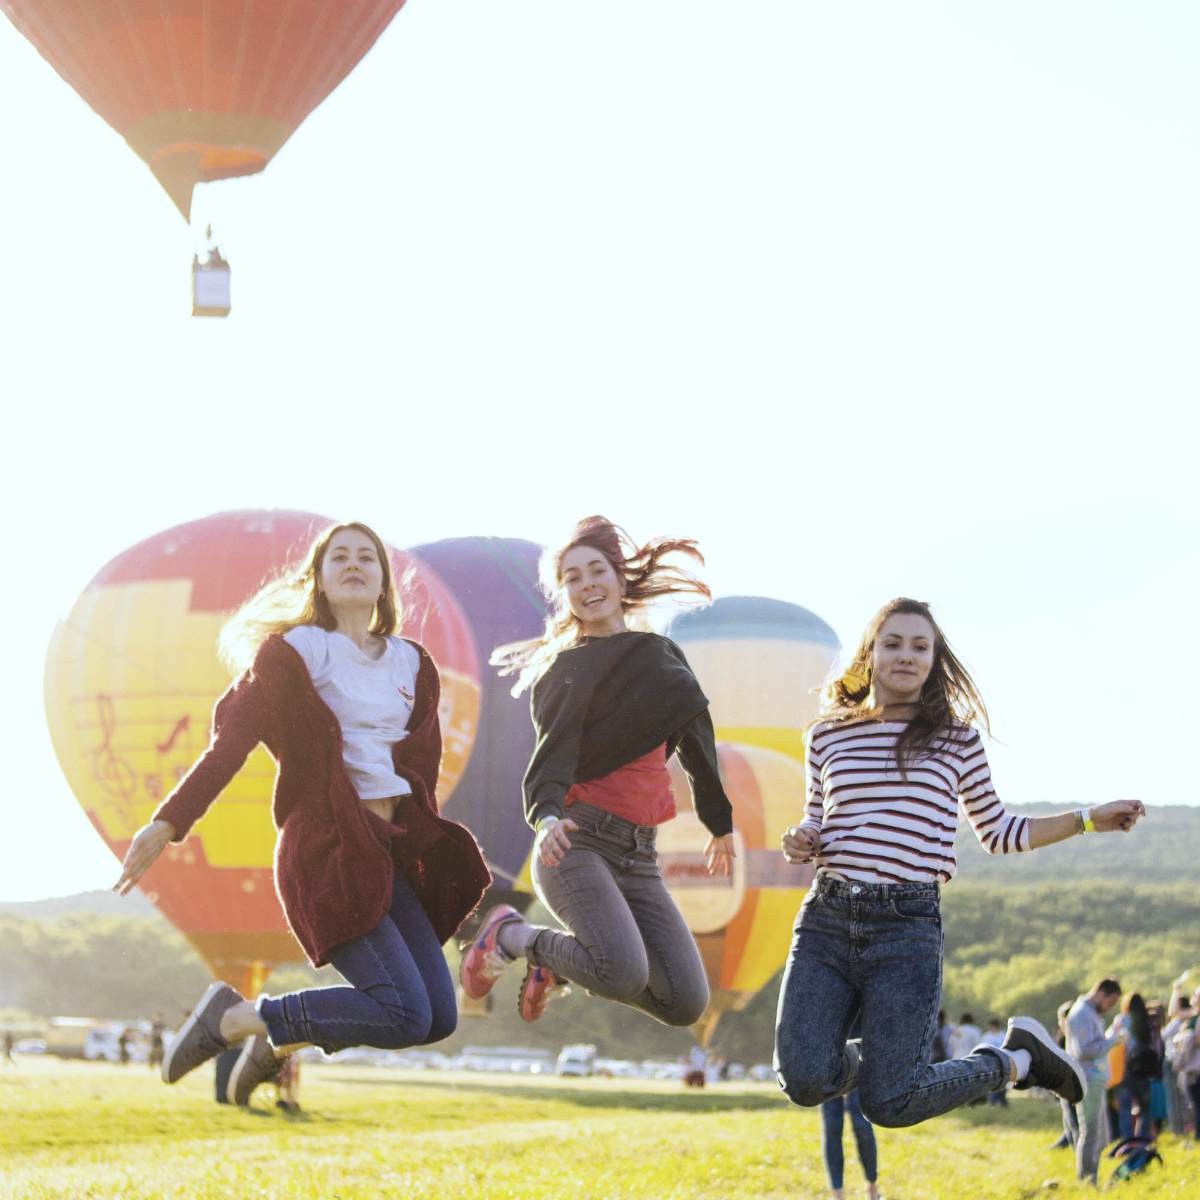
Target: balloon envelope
<point x="760" y="662"/>
<point x="741" y="923"/>
<point x="202" y="89"/>
<point x="131" y="678"/>
<point x="494" y="581"/>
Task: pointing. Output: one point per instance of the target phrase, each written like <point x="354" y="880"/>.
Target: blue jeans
<point x="874" y="947"/>
<point x="832" y="1112"/>
<point x="401" y="994"/>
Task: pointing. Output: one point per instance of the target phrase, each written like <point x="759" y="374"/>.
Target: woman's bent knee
<point x="805" y="1082"/>
<point x="891" y="1113"/>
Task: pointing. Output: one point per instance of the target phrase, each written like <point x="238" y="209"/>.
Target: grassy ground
<point x="96" y="1132"/>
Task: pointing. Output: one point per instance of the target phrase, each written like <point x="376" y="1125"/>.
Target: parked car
<point x="576" y="1059"/>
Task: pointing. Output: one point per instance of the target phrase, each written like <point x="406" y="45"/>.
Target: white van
<point x="578" y="1059"/>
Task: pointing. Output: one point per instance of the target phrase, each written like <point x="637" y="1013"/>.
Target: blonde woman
<point x="371" y="878"/>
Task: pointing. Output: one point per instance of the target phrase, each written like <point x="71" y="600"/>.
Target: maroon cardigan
<point x="335" y="859"/>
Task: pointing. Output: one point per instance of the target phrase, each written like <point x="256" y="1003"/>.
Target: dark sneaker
<point x="1050" y="1066"/>
<point x="199" y="1037"/>
<point x="256" y="1064"/>
<point x="484" y="961"/>
<point x="540" y="987"/>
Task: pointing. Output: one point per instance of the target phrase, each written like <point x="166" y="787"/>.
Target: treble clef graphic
<point x="113" y="774"/>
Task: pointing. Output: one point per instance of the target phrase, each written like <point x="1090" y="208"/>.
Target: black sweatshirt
<point x="609" y="701"/>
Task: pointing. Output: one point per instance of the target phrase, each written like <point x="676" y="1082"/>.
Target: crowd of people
<point x="373" y="879"/>
<point x="1142" y="1062"/>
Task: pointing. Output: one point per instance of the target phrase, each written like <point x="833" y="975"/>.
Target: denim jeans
<point x="832" y="1112"/>
<point x="401" y="994"/>
<point x="874" y="948"/>
<point x="1091" y="1114"/>
<point x="625" y="939"/>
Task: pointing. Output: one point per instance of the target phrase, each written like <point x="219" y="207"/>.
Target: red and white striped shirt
<point x="876" y="826"/>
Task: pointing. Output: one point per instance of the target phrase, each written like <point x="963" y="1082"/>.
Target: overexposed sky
<point x="872" y="299"/>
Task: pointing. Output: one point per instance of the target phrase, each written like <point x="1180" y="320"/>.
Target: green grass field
<point x="84" y="1131"/>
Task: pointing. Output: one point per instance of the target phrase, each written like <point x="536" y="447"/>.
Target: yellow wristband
<point x="1089" y="826"/>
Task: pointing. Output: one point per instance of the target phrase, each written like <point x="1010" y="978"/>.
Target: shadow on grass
<point x="582" y="1097"/>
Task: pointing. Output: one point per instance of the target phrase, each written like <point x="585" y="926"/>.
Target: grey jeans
<point x="625" y="940"/>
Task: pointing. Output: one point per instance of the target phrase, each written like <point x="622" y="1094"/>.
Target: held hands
<point x="150" y="842"/>
<point x="799" y="845"/>
<point x="552" y="841"/>
<point x="719" y="855"/>
<point x="1120" y="814"/>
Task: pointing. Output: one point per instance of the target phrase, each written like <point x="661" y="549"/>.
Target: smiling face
<point x="592" y="590"/>
<point x="351" y="572"/>
<point x="902" y="658"/>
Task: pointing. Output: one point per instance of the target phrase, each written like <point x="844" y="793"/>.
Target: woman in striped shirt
<point x="888" y="765"/>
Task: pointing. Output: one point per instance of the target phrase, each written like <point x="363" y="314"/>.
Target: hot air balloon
<point x="494" y="580"/>
<point x="760" y="662"/>
<point x="740" y="923"/>
<point x="202" y="89"/>
<point x="131" y="677"/>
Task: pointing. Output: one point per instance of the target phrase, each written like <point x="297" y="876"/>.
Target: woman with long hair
<point x="889" y="762"/>
<point x="610" y="704"/>
<point x="370" y="877"/>
<point x="1143" y="1064"/>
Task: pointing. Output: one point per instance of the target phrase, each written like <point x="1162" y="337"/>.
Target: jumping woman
<point x="610" y="706"/>
<point x="888" y="765"/>
<point x="371" y="879"/>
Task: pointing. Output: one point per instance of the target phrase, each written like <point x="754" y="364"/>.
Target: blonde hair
<point x="293" y="598"/>
<point x="643" y="576"/>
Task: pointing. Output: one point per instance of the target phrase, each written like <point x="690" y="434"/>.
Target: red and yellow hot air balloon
<point x="202" y="89"/>
<point x="131" y="677"/>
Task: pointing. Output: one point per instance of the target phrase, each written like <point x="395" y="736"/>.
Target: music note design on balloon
<point x="114" y="775"/>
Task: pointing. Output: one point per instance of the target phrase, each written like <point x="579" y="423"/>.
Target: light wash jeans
<point x="624" y="938"/>
<point x="875" y="947"/>
<point x="1092" y="1115"/>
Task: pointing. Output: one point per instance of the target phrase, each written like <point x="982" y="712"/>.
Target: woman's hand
<point x="799" y="845"/>
<point x="151" y="840"/>
<point x="552" y="842"/>
<point x="719" y="855"/>
<point x="1120" y="814"/>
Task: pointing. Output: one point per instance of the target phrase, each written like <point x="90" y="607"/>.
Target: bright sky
<point x="872" y="299"/>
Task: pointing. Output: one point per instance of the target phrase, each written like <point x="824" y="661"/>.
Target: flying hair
<point x="294" y="598"/>
<point x="644" y="576"/>
<point x="948" y="698"/>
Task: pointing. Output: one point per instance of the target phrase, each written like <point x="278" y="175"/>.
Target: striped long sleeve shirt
<point x="874" y="825"/>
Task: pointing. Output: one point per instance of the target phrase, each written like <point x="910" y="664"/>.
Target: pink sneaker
<point x="484" y="961"/>
<point x="540" y="987"/>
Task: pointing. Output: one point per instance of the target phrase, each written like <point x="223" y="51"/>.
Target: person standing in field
<point x="610" y="706"/>
<point x="833" y="1114"/>
<point x="1089" y="1044"/>
<point x="890" y="761"/>
<point x="371" y="878"/>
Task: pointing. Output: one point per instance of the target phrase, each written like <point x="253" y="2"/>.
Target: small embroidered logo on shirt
<point x="408" y="696"/>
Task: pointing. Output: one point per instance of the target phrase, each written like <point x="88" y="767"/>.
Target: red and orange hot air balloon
<point x="202" y="89"/>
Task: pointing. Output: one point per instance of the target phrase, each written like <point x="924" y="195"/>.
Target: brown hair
<point x="640" y="569"/>
<point x="294" y="598"/>
<point x="948" y="697"/>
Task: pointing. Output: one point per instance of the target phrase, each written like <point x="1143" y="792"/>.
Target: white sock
<point x="1021" y="1061"/>
<point x="513" y="937"/>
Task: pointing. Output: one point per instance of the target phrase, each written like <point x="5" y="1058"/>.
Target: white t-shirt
<point x="372" y="699"/>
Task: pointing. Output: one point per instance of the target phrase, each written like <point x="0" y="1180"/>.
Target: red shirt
<point x="640" y="791"/>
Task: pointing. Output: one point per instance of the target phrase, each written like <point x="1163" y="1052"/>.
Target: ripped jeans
<point x="874" y="947"/>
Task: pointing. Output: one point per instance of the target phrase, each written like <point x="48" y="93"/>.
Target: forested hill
<point x="1163" y="848"/>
